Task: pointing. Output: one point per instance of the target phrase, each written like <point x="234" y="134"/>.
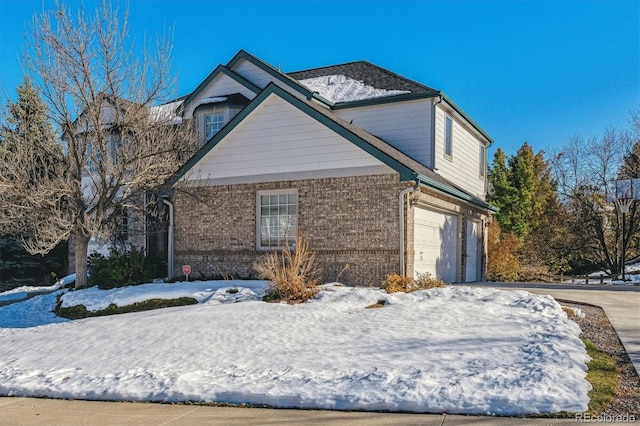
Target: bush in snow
<point x="425" y="281"/>
<point x="122" y="268"/>
<point x="395" y="283"/>
<point x="290" y="274"/>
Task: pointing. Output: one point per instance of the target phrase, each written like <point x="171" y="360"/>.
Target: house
<point x="378" y="172"/>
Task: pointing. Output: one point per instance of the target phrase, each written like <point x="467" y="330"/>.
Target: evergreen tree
<point x="524" y="191"/>
<point x="26" y="127"/>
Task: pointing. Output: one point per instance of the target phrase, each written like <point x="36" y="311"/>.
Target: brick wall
<point x="352" y="220"/>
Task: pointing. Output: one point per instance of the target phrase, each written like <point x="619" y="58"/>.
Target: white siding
<point x="406" y="126"/>
<point x="259" y="77"/>
<point x="277" y="138"/>
<point x="463" y="168"/>
<point x="220" y="86"/>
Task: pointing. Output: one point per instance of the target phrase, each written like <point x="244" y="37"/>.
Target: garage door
<point x="435" y="244"/>
<point x="473" y="243"/>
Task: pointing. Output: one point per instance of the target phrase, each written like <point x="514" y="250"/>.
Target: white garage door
<point x="435" y="244"/>
<point x="473" y="243"/>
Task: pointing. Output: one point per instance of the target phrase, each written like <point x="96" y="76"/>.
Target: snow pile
<point x="340" y="88"/>
<point x="454" y="349"/>
<point x="95" y="299"/>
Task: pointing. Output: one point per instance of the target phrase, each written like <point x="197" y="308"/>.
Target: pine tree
<point x="524" y="191"/>
<point x="27" y="128"/>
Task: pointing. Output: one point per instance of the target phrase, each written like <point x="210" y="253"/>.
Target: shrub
<point x="503" y="264"/>
<point x="123" y="268"/>
<point x="290" y="274"/>
<point x="395" y="283"/>
<point x="80" y="311"/>
<point x="425" y="281"/>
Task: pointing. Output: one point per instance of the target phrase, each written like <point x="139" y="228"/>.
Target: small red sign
<point x="186" y="269"/>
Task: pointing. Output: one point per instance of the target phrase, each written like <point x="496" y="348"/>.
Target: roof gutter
<point x="446" y="189"/>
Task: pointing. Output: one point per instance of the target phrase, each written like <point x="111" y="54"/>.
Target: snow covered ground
<point x="453" y="349"/>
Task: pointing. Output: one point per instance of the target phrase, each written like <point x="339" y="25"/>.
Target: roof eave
<point x="456" y="193"/>
<point x="220" y="69"/>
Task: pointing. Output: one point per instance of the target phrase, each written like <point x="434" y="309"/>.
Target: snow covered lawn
<point x="453" y="349"/>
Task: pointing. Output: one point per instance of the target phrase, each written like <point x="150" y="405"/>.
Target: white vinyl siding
<point x="277" y="218"/>
<point x="406" y="126"/>
<point x="279" y="138"/>
<point x="463" y="169"/>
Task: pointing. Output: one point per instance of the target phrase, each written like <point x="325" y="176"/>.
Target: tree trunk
<point x="81" y="248"/>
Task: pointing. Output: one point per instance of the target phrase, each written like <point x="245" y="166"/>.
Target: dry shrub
<point x="425" y="281"/>
<point x="503" y="264"/>
<point x="395" y="283"/>
<point x="290" y="273"/>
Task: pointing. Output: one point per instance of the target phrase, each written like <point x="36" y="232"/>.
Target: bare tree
<point x="115" y="143"/>
<point x="585" y="170"/>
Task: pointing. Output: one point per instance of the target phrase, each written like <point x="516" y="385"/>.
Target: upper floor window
<point x="212" y="124"/>
<point x="448" y="142"/>
<point x="277" y="217"/>
<point x="483" y="161"/>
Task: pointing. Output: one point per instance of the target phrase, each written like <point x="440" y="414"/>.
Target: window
<point x="277" y="213"/>
<point x="122" y="225"/>
<point x="212" y="124"/>
<point x="447" y="137"/>
<point x="483" y="160"/>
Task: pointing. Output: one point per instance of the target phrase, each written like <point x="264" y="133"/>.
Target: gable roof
<point x="408" y="168"/>
<point x="271" y="71"/>
<point x="220" y="69"/>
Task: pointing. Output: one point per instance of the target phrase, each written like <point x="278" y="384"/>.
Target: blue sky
<point x="536" y="71"/>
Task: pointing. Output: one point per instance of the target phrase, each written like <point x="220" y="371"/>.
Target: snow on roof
<point x="167" y="112"/>
<point x="340" y="88"/>
<point x="211" y="100"/>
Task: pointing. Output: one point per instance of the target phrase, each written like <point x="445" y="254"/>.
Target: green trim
<point x="290" y="81"/>
<point x="404" y="97"/>
<point x="449" y="190"/>
<point x="220" y="69"/>
<point x="466" y="117"/>
<point x="405" y="172"/>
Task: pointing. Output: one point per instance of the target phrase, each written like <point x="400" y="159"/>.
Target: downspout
<point x="169" y="240"/>
<point x="401" y="210"/>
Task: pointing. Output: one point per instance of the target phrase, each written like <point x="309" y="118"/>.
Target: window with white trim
<point x="212" y="124"/>
<point x="277" y="217"/>
<point x="448" y="142"/>
<point x="483" y="161"/>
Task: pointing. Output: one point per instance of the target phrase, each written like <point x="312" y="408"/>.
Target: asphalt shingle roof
<point x="369" y="74"/>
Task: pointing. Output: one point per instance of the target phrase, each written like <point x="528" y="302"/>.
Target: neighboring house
<point x="130" y="226"/>
<point x="378" y="172"/>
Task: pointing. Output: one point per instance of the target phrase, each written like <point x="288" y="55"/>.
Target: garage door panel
<point x="435" y="244"/>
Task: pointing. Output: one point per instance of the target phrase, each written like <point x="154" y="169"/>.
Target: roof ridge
<point x="326" y="66"/>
